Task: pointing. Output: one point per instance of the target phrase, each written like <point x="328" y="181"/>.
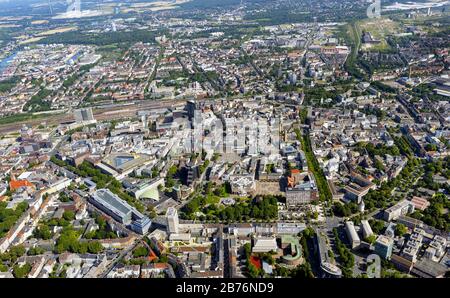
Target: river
<point x="6" y="61"/>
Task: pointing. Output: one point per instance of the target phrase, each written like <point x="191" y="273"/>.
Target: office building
<point x="352" y="235"/>
<point x="112" y="205"/>
<point x="265" y="244"/>
<point x="83" y="115"/>
<point x="191" y="106"/>
<point x="302" y="190"/>
<point x="143" y="189"/>
<point x="190" y="174"/>
<point x="410" y="222"/>
<point x="292" y="78"/>
<point x="383" y="246"/>
<point x="401" y="208"/>
<point x="120" y="210"/>
<point x="366" y="229"/>
<point x="141" y="226"/>
<point x="172" y="220"/>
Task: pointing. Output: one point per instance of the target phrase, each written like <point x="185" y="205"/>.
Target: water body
<point x="4" y="63"/>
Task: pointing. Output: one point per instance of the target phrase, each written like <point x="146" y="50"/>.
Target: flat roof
<point x="384" y="240"/>
<point x="171" y="211"/>
<point x="429" y="267"/>
<point x="112" y="201"/>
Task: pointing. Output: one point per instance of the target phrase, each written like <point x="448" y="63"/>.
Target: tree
<point x="163" y="258"/>
<point x="341" y="209"/>
<point x="63" y="197"/>
<point x="371" y="239"/>
<point x="400" y="229"/>
<point x="308" y="233"/>
<point x="151" y="212"/>
<point x="347" y="259"/>
<point x="8" y="217"/>
<point x="392" y="273"/>
<point x="434" y="215"/>
<point x="80" y="247"/>
<point x="68" y="241"/>
<point x="431" y="147"/>
<point x="94" y="247"/>
<point x="170" y="182"/>
<point x="253" y="272"/>
<point x="379" y="165"/>
<point x="21" y="271"/>
<point x="221" y="191"/>
<point x="141" y="251"/>
<point x="16" y="252"/>
<point x="331" y="254"/>
<point x="376" y="225"/>
<point x="281" y="271"/>
<point x="69" y="215"/>
<point x="247" y="250"/>
<point x="63" y="273"/>
<point x="35" y="251"/>
<point x="3" y="268"/>
<point x="303" y="271"/>
<point x="268" y="258"/>
<point x="42" y="232"/>
<point x="173" y="170"/>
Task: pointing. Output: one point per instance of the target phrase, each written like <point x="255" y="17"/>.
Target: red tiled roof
<point x="152" y="256"/>
<point x="15" y="184"/>
<point x="420" y="203"/>
<point x="160" y="265"/>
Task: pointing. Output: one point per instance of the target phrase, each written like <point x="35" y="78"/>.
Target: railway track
<point x="101" y="114"/>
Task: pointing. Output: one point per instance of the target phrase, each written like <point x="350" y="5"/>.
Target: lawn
<point x="379" y="29"/>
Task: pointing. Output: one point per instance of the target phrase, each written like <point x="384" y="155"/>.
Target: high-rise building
<point x="190" y="173"/>
<point x="144" y="121"/>
<point x="352" y="235"/>
<point x="292" y="78"/>
<point x="191" y="106"/>
<point x="83" y="115"/>
<point x="172" y="220"/>
<point x="366" y="229"/>
<point x="383" y="246"/>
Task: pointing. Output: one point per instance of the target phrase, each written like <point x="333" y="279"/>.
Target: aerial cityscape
<point x="224" y="139"/>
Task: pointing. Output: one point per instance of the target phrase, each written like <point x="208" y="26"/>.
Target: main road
<point x="121" y="255"/>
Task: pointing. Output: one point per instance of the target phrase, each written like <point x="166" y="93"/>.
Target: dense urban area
<point x="224" y="139"/>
